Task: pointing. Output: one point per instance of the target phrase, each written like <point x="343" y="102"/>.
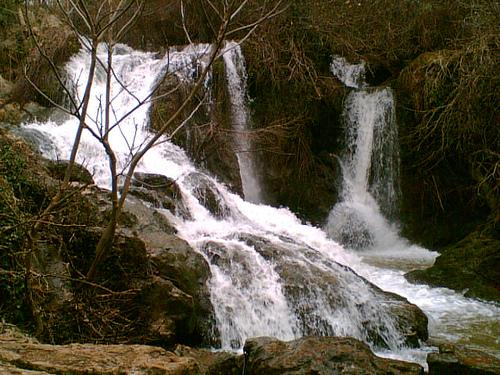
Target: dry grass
<point x="454" y="96"/>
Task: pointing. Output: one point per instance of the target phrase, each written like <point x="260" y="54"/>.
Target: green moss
<point x="16" y="169"/>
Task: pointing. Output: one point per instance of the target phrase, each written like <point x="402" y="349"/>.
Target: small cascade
<point x="271" y="274"/>
<point x="351" y="75"/>
<point x="236" y="76"/>
<point x="370" y="165"/>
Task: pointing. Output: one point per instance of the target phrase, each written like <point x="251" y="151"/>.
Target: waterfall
<point x="236" y="76"/>
<point x="370" y="166"/>
<point x="271" y="274"/>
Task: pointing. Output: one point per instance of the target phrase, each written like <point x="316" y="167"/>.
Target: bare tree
<point x="105" y="24"/>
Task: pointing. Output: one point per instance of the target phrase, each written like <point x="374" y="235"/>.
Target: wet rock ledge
<point x="23" y="355"/>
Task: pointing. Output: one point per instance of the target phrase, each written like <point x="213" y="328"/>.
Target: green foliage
<point x="471" y="265"/>
<point x="8" y="12"/>
<point x="16" y="169"/>
<point x="11" y="218"/>
<point x="13" y="42"/>
<point x="12" y="166"/>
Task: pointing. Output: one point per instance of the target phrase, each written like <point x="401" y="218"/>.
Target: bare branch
<point x="45" y="96"/>
<point x="46" y="58"/>
<point x="183" y="17"/>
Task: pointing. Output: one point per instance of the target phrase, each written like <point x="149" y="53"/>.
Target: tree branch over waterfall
<point x="100" y="26"/>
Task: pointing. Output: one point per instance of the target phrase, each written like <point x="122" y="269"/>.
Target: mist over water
<point x="271" y="274"/>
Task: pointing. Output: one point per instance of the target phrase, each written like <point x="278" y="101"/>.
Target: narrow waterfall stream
<point x="236" y="76"/>
<point x="271" y="274"/>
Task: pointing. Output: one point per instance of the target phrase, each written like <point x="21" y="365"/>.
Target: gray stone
<point x="212" y="362"/>
<point x="161" y="191"/>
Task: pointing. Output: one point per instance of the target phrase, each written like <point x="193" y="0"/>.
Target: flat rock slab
<point x="75" y="359"/>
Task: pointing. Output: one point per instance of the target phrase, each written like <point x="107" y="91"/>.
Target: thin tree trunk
<point x="105" y="243"/>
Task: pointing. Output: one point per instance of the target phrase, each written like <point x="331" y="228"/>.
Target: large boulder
<point x="460" y="360"/>
<point x="207" y="134"/>
<point x="447" y="128"/>
<point x="209" y="195"/>
<point x="150" y="287"/>
<point x="57" y="170"/>
<point x="168" y="311"/>
<point x="176" y="261"/>
<point x="214" y="362"/>
<point x="319" y="355"/>
<point x="309" y="190"/>
<point x="159" y="190"/>
<point x="179" y="269"/>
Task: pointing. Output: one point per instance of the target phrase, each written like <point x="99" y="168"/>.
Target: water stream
<point x="271" y="274"/>
<point x="236" y="76"/>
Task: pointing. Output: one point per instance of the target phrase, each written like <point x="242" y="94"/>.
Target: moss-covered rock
<point x="207" y="137"/>
<point x="57" y="170"/>
<point x="471" y="266"/>
<point x="447" y="130"/>
<point x="159" y="190"/>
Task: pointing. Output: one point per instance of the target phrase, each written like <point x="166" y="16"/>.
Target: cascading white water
<point x="271" y="275"/>
<point x="370" y="168"/>
<point x="351" y="75"/>
<point x="370" y="194"/>
<point x="236" y="76"/>
<point x="369" y="171"/>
